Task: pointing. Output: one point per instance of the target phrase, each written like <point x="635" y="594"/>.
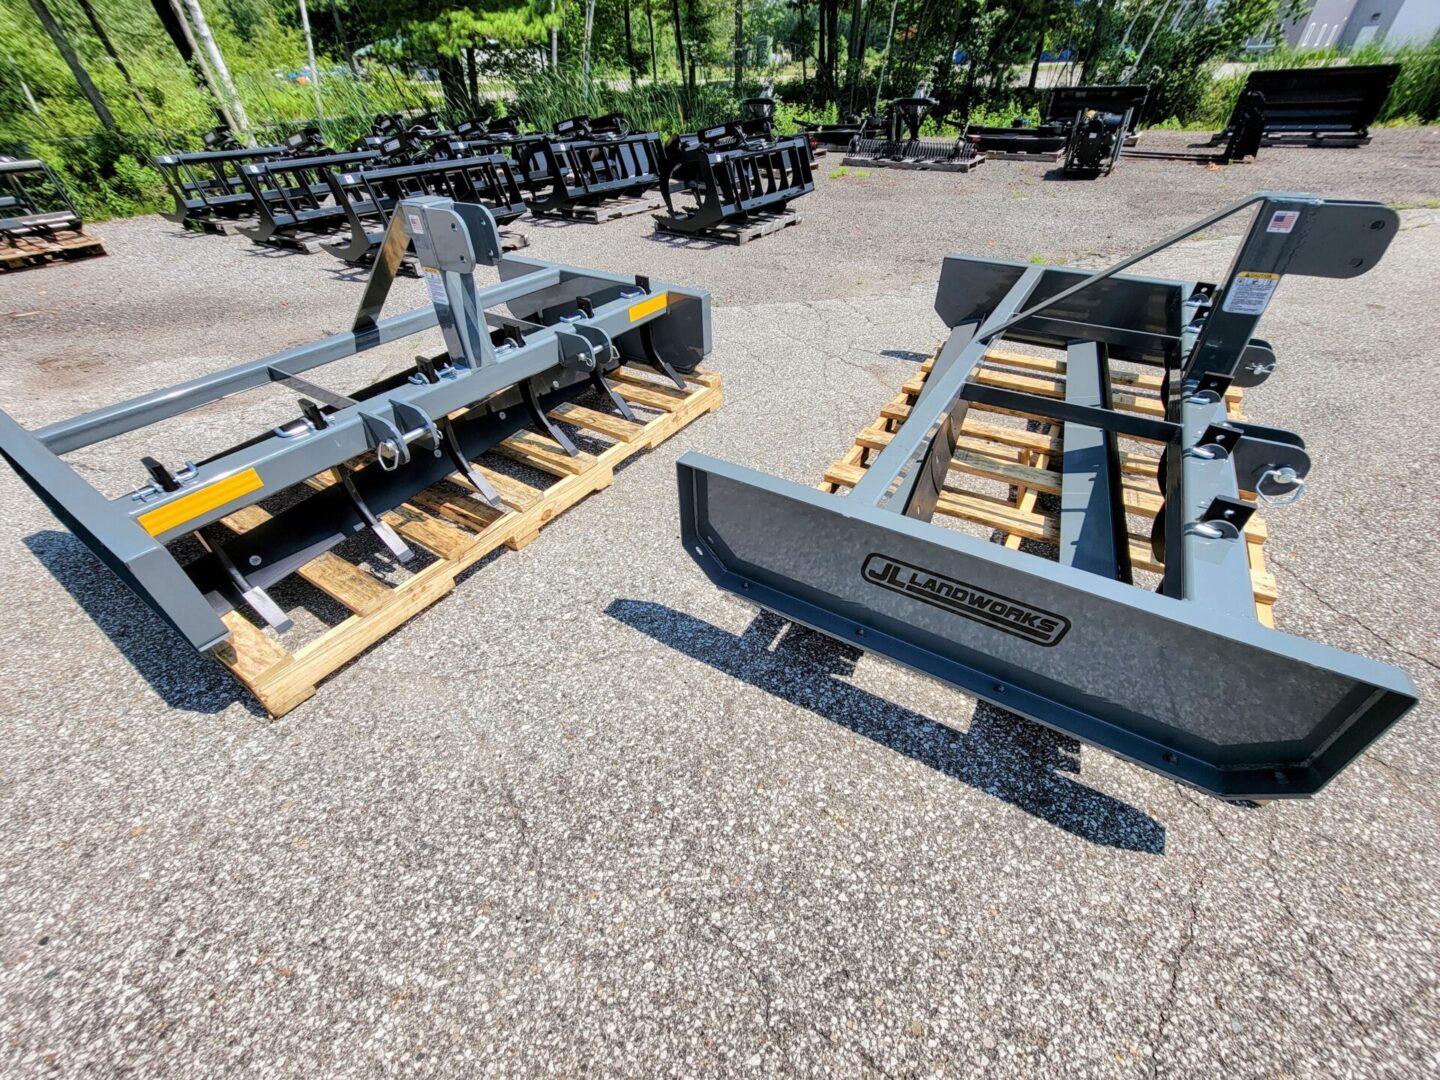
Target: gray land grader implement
<point x="515" y="352"/>
<point x="1181" y="678"/>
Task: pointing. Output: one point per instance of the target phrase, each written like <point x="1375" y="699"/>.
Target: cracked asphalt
<point x="589" y="816"/>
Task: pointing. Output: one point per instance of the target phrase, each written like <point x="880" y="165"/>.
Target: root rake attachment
<point x="399" y="460"/>
<point x="1182" y="676"/>
<point x="901" y="147"/>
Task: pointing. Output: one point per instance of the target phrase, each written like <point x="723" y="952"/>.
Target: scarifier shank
<point x="1185" y="681"/>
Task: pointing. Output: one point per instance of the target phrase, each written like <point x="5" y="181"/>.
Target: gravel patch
<point x="590" y="816"/>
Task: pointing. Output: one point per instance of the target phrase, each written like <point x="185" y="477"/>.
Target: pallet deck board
<point x="22" y="252"/>
<point x="1026" y="461"/>
<point x="458" y="529"/>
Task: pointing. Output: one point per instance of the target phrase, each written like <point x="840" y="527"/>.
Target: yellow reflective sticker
<point x="164" y="518"/>
<point x="649" y="306"/>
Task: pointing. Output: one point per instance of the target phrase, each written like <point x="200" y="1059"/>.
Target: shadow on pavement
<point x="183" y="678"/>
<point x="1001" y="754"/>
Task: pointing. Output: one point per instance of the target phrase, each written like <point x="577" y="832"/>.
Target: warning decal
<point x="436" y="285"/>
<point x="1250" y="293"/>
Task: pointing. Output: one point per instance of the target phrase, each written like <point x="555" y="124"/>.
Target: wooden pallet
<point x="21" y="252"/>
<point x="459" y="531"/>
<point x="759" y="224"/>
<point x="1028" y="460"/>
<point x="605" y="211"/>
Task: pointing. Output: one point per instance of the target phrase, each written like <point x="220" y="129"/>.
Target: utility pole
<point x="310" y="52"/>
<point x="87" y="85"/>
<point x="650" y="19"/>
<point x="554" y="38"/>
<point x="739" y="43"/>
<point x="217" y="64"/>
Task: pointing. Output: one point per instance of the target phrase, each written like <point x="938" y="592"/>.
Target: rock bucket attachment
<point x="38" y="222"/>
<point x="370" y="196"/>
<point x="724" y="181"/>
<point x="396" y="466"/>
<point x="586" y="163"/>
<point x="1174" y="671"/>
<point x="209" y="192"/>
<point x="902" y="148"/>
<point x="1329" y="106"/>
<point x="292" y="198"/>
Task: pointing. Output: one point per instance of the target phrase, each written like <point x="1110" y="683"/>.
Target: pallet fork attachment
<point x="543" y="335"/>
<point x="1183" y="680"/>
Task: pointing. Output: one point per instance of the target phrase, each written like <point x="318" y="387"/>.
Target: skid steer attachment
<point x="733" y="180"/>
<point x="586" y="162"/>
<point x="209" y="192"/>
<point x="38" y="221"/>
<point x="901" y="147"/>
<point x="1095" y="144"/>
<point x="370" y="197"/>
<point x="1182" y="679"/>
<point x="349" y="462"/>
<point x="292" y="198"/>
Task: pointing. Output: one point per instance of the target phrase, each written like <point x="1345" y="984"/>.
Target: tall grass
<point x="544" y="98"/>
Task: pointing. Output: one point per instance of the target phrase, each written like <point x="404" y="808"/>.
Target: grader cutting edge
<point x="515" y="352"/>
<point x="1182" y="678"/>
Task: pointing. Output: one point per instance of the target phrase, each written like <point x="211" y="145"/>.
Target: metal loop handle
<point x="1286" y="477"/>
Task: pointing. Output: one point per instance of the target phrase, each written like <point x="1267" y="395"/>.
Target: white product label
<point x="1283" y="221"/>
<point x="1250" y="293"/>
<point x="417" y="225"/>
<point x="436" y="284"/>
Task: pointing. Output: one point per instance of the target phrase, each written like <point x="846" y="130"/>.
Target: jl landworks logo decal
<point x="961" y="598"/>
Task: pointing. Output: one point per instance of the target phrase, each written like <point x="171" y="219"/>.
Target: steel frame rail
<point x="1184" y="681"/>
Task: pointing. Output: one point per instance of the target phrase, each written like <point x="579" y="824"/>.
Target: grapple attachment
<point x="514" y="351"/>
<point x="1182" y="677"/>
<point x="726" y="174"/>
<point x="586" y="161"/>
